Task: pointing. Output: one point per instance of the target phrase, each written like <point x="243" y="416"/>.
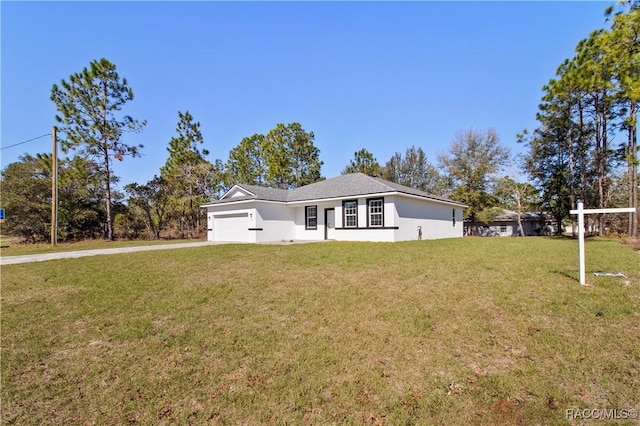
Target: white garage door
<point x="233" y="227"/>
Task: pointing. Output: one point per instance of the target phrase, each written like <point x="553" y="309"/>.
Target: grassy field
<point x="474" y="330"/>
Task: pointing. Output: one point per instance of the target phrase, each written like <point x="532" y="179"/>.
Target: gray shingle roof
<point x="510" y="216"/>
<point x="265" y="193"/>
<point x="349" y="185"/>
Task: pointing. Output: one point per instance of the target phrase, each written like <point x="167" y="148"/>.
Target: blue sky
<point x="376" y="75"/>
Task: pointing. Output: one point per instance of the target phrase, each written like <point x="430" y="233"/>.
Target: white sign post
<point x="581" y="211"/>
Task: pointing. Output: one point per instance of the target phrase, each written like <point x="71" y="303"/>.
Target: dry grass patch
<point x="482" y="331"/>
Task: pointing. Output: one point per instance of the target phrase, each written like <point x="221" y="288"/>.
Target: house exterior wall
<point x="265" y="221"/>
<point x="364" y="232"/>
<point x="402" y="216"/>
<point x="274" y="222"/>
<point x="435" y="219"/>
<point x="340" y="233"/>
<point x="300" y="229"/>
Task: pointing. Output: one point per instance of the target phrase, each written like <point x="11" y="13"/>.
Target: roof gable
<point x="244" y="192"/>
<point x="237" y="191"/>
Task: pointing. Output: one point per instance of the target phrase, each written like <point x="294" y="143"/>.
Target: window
<point x="503" y="229"/>
<point x="376" y="212"/>
<point x="454" y="216"/>
<point x="350" y="209"/>
<point x="311" y="217"/>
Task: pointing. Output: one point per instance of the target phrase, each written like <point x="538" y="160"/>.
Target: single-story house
<point x="351" y="207"/>
<point x="505" y="224"/>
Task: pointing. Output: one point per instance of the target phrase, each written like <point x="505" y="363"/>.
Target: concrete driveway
<point x="11" y="260"/>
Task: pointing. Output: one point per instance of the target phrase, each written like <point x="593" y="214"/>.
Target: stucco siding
<point x="363" y="232"/>
<point x="274" y="222"/>
<point x="301" y="232"/>
<point x="435" y="219"/>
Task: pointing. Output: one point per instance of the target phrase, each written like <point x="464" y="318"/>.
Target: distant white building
<point x="506" y="225"/>
<point x="351" y="207"/>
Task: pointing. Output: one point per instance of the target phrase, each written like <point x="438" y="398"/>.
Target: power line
<point x="23" y="142"/>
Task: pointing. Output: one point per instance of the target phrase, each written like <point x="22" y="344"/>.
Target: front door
<point x="329" y="224"/>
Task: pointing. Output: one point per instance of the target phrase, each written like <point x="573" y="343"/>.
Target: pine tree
<point x="186" y="172"/>
<point x="246" y="162"/>
<point x="363" y="162"/>
<point x="89" y="106"/>
<point x="291" y="158"/>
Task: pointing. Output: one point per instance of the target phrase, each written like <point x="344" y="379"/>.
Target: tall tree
<point x="305" y="156"/>
<point x="623" y="44"/>
<point x="246" y="162"/>
<point x="363" y="162"/>
<point x="286" y="158"/>
<point x="471" y="163"/>
<point x="549" y="165"/>
<point x="292" y="159"/>
<point x="214" y="180"/>
<point x="594" y="74"/>
<point x="413" y="170"/>
<point x="558" y="160"/>
<point x="594" y="94"/>
<point x="89" y="108"/>
<point x="185" y="172"/>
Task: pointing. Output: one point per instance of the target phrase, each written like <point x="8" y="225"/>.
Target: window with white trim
<point x="376" y="212"/>
<point x="311" y="217"/>
<point x="350" y="212"/>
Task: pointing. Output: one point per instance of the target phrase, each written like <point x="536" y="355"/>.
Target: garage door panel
<point x="233" y="227"/>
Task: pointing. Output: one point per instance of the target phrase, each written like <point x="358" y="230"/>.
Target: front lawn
<point x="474" y="330"/>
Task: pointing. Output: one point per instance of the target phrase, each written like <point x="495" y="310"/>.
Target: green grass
<point x="11" y="247"/>
<point x="474" y="330"/>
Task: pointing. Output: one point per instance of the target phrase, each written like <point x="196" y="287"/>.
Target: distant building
<point x="506" y="225"/>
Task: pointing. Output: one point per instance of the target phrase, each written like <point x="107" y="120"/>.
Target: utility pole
<point x="54" y="187"/>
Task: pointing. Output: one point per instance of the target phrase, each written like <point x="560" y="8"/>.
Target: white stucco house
<point x="351" y="207"/>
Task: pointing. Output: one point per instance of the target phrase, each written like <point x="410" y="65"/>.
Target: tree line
<point x="585" y="146"/>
